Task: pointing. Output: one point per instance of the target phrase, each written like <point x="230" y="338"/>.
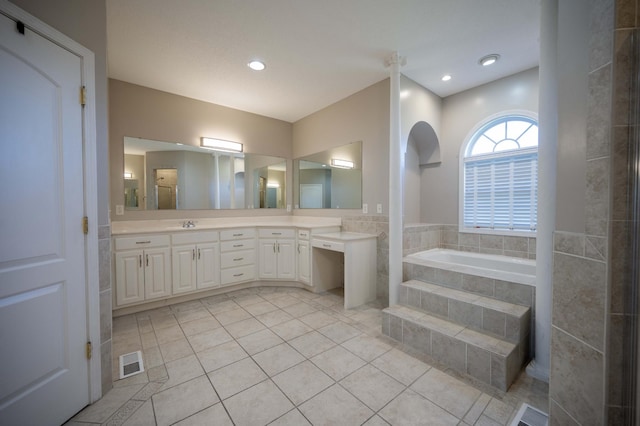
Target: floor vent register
<point x="529" y="416"/>
<point x="131" y="364"/>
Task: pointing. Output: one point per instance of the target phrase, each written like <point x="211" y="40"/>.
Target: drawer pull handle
<point x="238" y="245"/>
<point x="238" y="235"/>
<point x="326" y="245"/>
<point x="238" y="259"/>
<point x="143" y="242"/>
<point x="238" y="275"/>
<point x="276" y="233"/>
<point x="140" y="257"/>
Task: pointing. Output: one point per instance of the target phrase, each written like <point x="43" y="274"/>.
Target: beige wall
<point x="460" y="114"/>
<point x="151" y="114"/>
<point x="364" y="117"/>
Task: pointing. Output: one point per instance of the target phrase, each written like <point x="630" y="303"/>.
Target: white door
<point x="157" y="273"/>
<point x="44" y="377"/>
<point x="184" y="269"/>
<point x="311" y="196"/>
<point x="129" y="277"/>
<point x="286" y="259"/>
<point x="268" y="259"/>
<point x="304" y="269"/>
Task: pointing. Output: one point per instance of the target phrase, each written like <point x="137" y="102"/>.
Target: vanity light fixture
<point x="221" y="145"/>
<point x="446" y="77"/>
<point x="128" y="175"/>
<point x="256" y="65"/>
<point x="485" y="61"/>
<point x="344" y="164"/>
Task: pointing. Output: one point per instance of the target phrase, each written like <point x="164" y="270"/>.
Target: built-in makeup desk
<point x="346" y="259"/>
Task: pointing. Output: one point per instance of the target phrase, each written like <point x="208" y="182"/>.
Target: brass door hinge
<point x="85" y="225"/>
<point x="83" y="95"/>
<point x="89" y="350"/>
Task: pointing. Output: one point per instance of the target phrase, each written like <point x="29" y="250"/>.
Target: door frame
<point x="92" y="282"/>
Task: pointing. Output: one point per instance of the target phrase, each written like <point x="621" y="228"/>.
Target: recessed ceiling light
<point x="256" y="65"/>
<point x="446" y="77"/>
<point x="485" y="61"/>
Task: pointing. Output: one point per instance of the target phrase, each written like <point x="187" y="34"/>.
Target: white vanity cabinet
<point x="303" y="256"/>
<point x="276" y="253"/>
<point x="195" y="261"/>
<point x="237" y="255"/>
<point x="143" y="268"/>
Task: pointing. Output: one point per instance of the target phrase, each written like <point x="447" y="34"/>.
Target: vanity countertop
<point x="344" y="236"/>
<point x="126" y="227"/>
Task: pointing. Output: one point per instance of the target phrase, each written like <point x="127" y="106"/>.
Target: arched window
<point x="500" y="166"/>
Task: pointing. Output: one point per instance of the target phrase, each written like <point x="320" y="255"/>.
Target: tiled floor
<point x="286" y="356"/>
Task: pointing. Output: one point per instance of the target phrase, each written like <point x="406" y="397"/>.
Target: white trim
<point x="90" y="183"/>
<point x="461" y="160"/>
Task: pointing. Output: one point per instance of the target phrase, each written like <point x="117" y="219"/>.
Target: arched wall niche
<point x="422" y="150"/>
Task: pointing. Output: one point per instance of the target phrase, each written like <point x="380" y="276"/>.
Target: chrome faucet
<point x="189" y="224"/>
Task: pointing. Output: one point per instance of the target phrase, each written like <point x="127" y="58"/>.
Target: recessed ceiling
<point x="316" y="52"/>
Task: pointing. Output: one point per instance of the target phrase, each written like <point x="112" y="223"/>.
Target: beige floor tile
<point x="366" y="347"/>
<point x="221" y="356"/>
<point x="339" y="331"/>
<point x="248" y="299"/>
<point x="260" y="308"/>
<point x="191" y="315"/>
<point x="258" y="405"/>
<point x="282" y="301"/>
<point x="214" y="415"/>
<point x="124" y="412"/>
<point x="148" y="391"/>
<point x="291" y="329"/>
<point x="222" y="305"/>
<point x="184" y="400"/>
<point x="337" y="362"/>
<point x="245" y="327"/>
<point x="236" y="377"/>
<point x="200" y="326"/>
<point x="182" y="370"/>
<point x="148" y="340"/>
<point x="409" y="409"/>
<point x="259" y="341"/>
<point x="144" y="416"/>
<point x="499" y="411"/>
<point x="476" y="410"/>
<point x="145" y="326"/>
<point x="163" y="321"/>
<point x="186" y="306"/>
<point x="299" y="309"/>
<point x="317" y="319"/>
<point x="311" y="344"/>
<point x="278" y="359"/>
<point x="402" y="367"/>
<point x="274" y="317"/>
<point x="209" y="339"/>
<point x="169" y="334"/>
<point x="158" y="373"/>
<point x="449" y="393"/>
<point x="372" y="386"/>
<point x="235" y="315"/>
<point x="175" y="350"/>
<point x="302" y="382"/>
<point x="104" y="408"/>
<point x="292" y="418"/>
<point x="375" y="421"/>
<point x="335" y="406"/>
<point x="487" y="421"/>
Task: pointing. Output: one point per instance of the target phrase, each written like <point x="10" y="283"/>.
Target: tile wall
<point x="104" y="270"/>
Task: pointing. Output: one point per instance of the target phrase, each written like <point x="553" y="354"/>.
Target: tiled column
<point x="104" y="247"/>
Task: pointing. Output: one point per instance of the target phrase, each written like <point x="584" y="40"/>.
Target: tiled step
<point x="501" y="319"/>
<point x="488" y="359"/>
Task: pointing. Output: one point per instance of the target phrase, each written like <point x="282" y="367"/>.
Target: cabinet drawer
<point x="128" y="243"/>
<point x="237" y="258"/>
<point x="226" y="246"/>
<point x="303" y="234"/>
<point x="237" y="234"/>
<point x="328" y="245"/>
<point x="191" y="237"/>
<point x="236" y="275"/>
<point x="276" y="233"/>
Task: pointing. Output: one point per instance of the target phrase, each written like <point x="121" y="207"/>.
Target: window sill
<point x="503" y="232"/>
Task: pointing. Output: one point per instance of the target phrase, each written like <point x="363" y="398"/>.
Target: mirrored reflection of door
<point x="166" y="188"/>
<point x="311" y="196"/>
<point x="262" y="188"/>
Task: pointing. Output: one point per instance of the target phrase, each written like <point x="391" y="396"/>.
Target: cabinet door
<point x="157" y="273"/>
<point x="208" y="265"/>
<point x="184" y="269"/>
<point x="268" y="258"/>
<point x="129" y="277"/>
<point x="304" y="262"/>
<point x="286" y="259"/>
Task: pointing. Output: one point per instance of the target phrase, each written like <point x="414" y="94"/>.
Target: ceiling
<point x="316" y="52"/>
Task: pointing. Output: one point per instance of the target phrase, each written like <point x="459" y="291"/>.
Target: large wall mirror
<point x="331" y="179"/>
<point x="172" y="176"/>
